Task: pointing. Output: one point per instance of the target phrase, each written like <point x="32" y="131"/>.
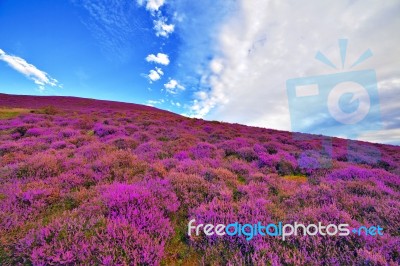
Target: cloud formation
<point x="154" y="102"/>
<point x="155" y="74"/>
<point x="198" y="28"/>
<point x="41" y="78"/>
<point x="388" y="136"/>
<point x="265" y="43"/>
<point x="160" y="58"/>
<point x="173" y="86"/>
<point x="151" y="5"/>
<point x="160" y="22"/>
<point x="162" y="28"/>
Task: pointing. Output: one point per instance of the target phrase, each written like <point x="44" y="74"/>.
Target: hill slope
<point x="69" y="103"/>
<point x="96" y="182"/>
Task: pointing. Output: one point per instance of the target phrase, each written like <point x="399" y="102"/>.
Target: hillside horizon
<point x="70" y="102"/>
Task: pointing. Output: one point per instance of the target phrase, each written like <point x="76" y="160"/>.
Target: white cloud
<point x="154" y="102"/>
<point x="162" y="28"/>
<point x="265" y="43"/>
<point x="389" y="136"/>
<point x="201" y="95"/>
<point x="160" y="58"/>
<point x="151" y="5"/>
<point x="177" y="104"/>
<point x="41" y="78"/>
<point x="216" y="66"/>
<point x="160" y="22"/>
<point x="155" y="74"/>
<point x="173" y="86"/>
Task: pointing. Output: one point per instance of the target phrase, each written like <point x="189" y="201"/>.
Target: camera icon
<point x="344" y="104"/>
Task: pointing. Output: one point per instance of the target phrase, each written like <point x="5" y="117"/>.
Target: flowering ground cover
<point x="105" y="183"/>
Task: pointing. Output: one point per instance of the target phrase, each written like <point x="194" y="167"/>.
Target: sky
<point x="225" y="60"/>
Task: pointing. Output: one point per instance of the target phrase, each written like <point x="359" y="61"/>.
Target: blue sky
<point x="219" y="60"/>
<point x="90" y="49"/>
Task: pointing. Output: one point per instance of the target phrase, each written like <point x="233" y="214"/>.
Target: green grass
<point x="177" y="250"/>
<point x="7" y="113"/>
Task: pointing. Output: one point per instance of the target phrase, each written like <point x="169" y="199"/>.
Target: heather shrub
<point x="222" y="249"/>
<point x="324" y="250"/>
<point x="7" y="148"/>
<point x="156" y="170"/>
<point x="203" y="150"/>
<point x="141" y="136"/>
<point x="12" y="213"/>
<point x="63" y="122"/>
<point x="80" y="140"/>
<point x="211" y="163"/>
<point x="18" y="205"/>
<point x="247" y="153"/>
<point x="267" y="160"/>
<point x="20" y="131"/>
<point x="362" y="188"/>
<point x="138" y="204"/>
<point x="69" y="239"/>
<point x="239" y="167"/>
<point x="386" y="164"/>
<point x="308" y="196"/>
<point x="169" y="164"/>
<point x="120" y="166"/>
<point x="231" y="147"/>
<point x="59" y="145"/>
<point x="71" y="180"/>
<point x="67" y="133"/>
<point x="190" y="189"/>
<point x="131" y="129"/>
<point x="185" y="142"/>
<point x="273" y="147"/>
<point x="189" y="166"/>
<point x="125" y="244"/>
<point x="164" y="134"/>
<point x="363" y="153"/>
<point x="40" y="166"/>
<point x="35" y="132"/>
<point x="309" y="161"/>
<point x="48" y="110"/>
<point x="93" y="151"/>
<point x="118" y="185"/>
<point x="219" y="174"/>
<point x="118" y="233"/>
<point x="124" y="143"/>
<point x="31" y="119"/>
<point x="351" y="172"/>
<point x="151" y="151"/>
<point x="285" y="167"/>
<point x="85" y="123"/>
<point x="182" y="155"/>
<point x="102" y="130"/>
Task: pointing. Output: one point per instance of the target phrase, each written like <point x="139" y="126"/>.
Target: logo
<point x="249" y="231"/>
<point x="343" y="104"/>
